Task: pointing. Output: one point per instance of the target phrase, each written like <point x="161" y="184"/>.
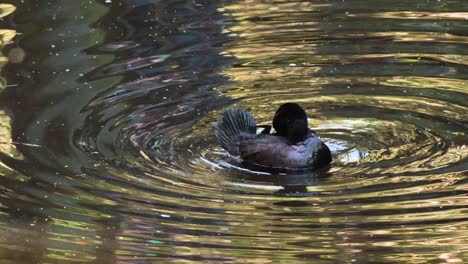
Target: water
<point x="107" y="153"/>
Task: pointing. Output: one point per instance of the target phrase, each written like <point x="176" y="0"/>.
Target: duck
<point x="292" y="145"/>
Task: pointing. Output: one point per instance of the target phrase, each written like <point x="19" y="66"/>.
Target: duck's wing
<point x="274" y="151"/>
<point x="267" y="150"/>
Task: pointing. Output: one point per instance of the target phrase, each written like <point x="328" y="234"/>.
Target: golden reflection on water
<point x="418" y="15"/>
<point x="277" y="64"/>
<point x="6" y="35"/>
<point x="6" y="142"/>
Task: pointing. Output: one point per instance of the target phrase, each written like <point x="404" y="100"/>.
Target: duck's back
<point x="274" y="151"/>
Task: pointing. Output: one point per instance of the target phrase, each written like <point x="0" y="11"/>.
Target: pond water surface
<point x="107" y="153"/>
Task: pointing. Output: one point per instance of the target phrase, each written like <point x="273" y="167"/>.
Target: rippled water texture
<point x="107" y="153"/>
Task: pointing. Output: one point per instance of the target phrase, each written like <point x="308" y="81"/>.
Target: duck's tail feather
<point x="233" y="124"/>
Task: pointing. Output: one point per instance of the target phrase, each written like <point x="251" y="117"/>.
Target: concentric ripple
<point x="109" y="154"/>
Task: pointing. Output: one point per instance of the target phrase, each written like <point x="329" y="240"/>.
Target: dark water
<point x="107" y="153"/>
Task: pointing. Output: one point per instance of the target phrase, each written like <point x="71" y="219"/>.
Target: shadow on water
<point x="108" y="156"/>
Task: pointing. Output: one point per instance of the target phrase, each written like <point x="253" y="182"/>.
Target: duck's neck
<point x="297" y="130"/>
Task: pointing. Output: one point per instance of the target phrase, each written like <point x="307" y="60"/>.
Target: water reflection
<point x="108" y="155"/>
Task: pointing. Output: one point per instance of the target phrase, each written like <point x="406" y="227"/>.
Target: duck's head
<point x="291" y="121"/>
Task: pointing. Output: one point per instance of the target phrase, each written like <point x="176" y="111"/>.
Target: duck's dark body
<point x="292" y="146"/>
